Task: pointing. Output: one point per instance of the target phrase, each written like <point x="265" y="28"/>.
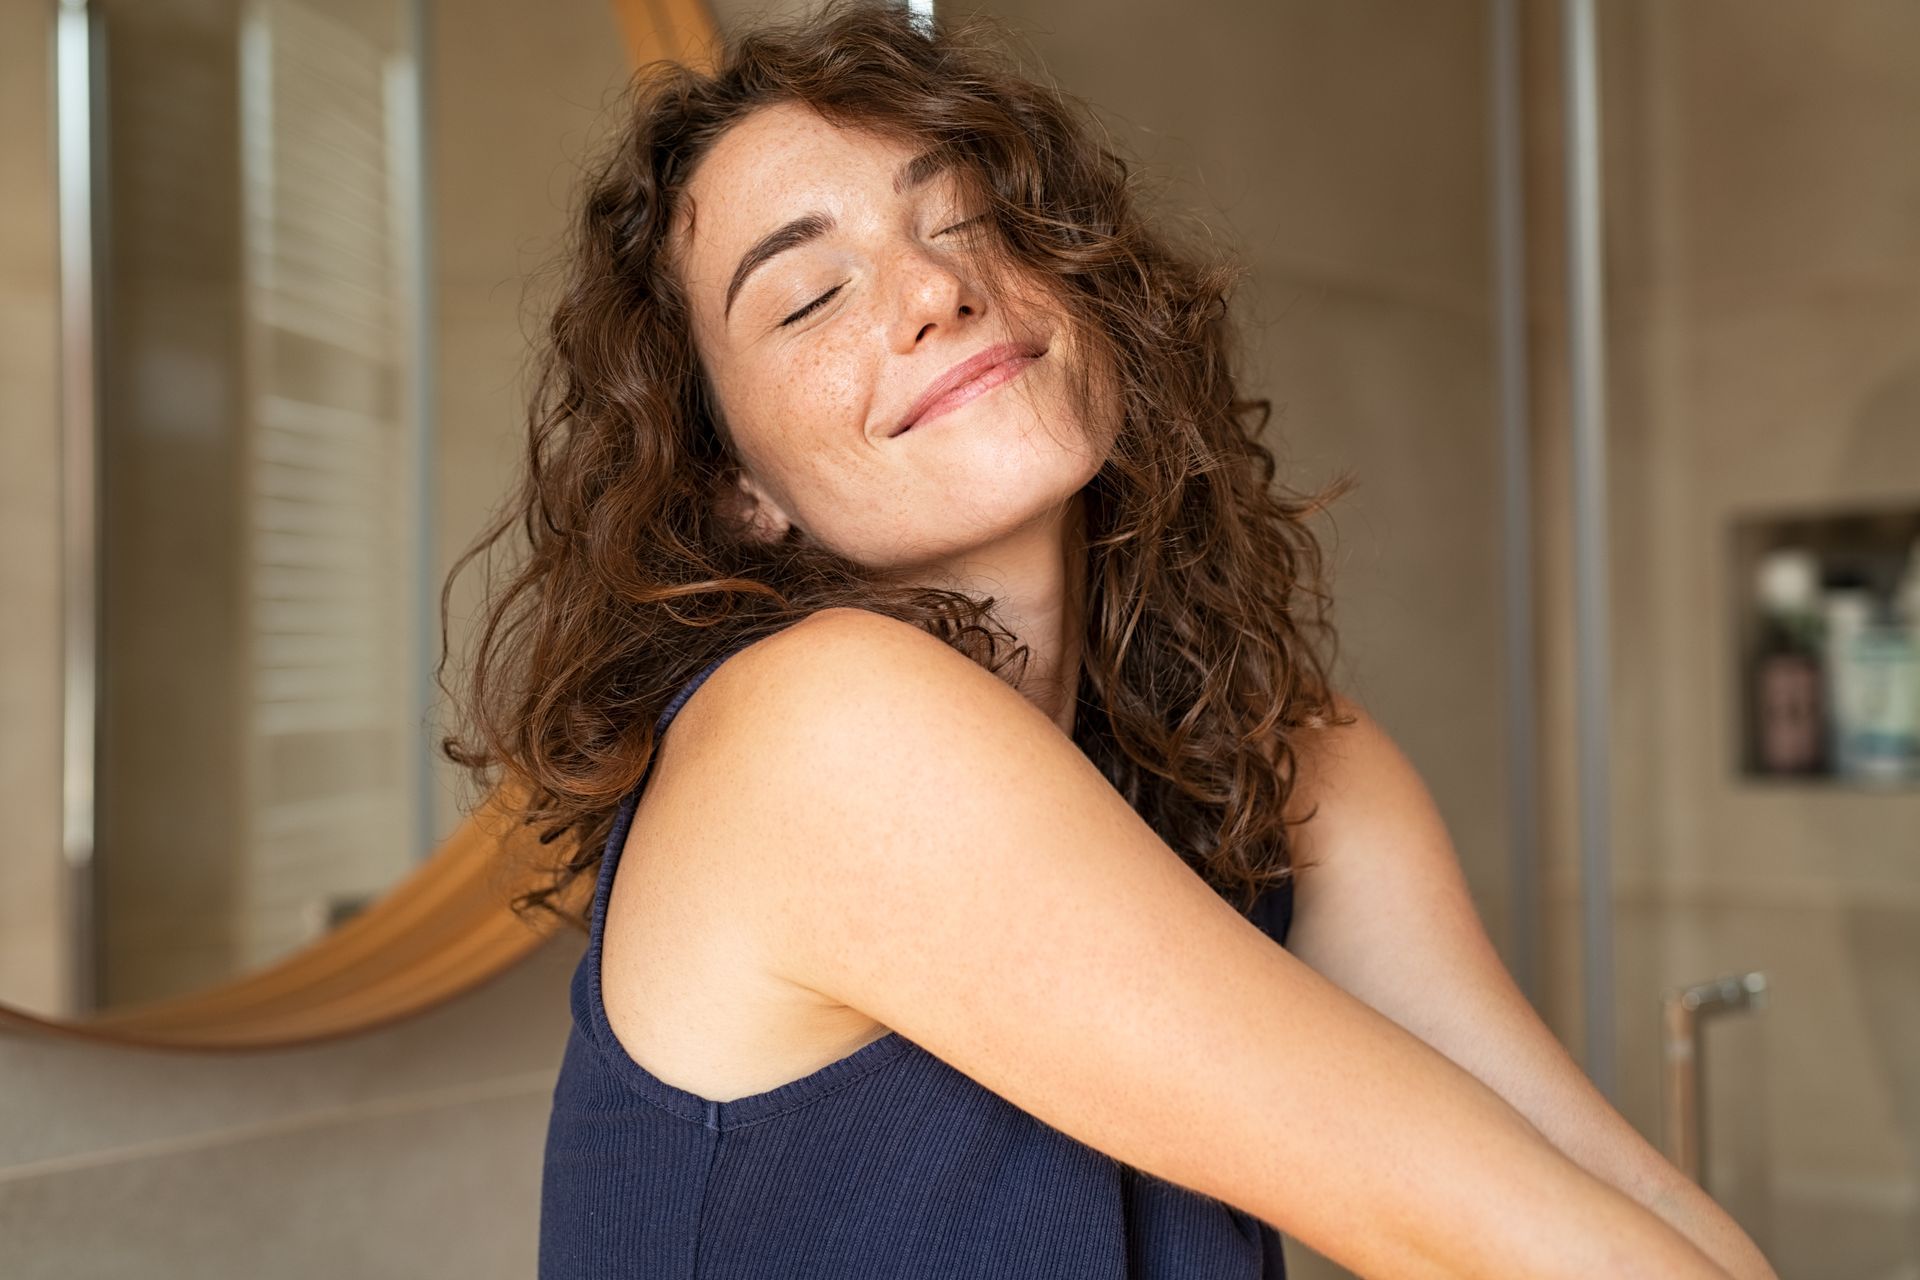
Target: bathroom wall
<point x="413" y="1151"/>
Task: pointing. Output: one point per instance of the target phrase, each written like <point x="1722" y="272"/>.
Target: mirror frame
<point x="439" y="933"/>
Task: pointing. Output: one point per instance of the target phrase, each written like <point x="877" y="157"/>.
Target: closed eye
<point x="821" y="301"/>
<point x="811" y="307"/>
<point x="978" y="217"/>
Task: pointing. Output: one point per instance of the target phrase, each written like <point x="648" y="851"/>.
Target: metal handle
<point x="1682" y="1011"/>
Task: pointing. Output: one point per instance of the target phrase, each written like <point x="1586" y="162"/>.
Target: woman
<point x="885" y="450"/>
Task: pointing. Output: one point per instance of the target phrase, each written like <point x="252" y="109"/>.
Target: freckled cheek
<point x="826" y="400"/>
<point x="810" y="424"/>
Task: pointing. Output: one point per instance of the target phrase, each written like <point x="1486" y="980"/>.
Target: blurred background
<point x="1613" y="307"/>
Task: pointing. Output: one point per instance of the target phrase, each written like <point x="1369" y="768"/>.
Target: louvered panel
<point x="333" y="565"/>
<point x="319" y="211"/>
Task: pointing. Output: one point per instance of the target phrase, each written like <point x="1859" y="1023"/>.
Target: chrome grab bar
<point x="1682" y="1011"/>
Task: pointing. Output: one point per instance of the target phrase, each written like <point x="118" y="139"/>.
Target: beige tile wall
<point x="411" y="1152"/>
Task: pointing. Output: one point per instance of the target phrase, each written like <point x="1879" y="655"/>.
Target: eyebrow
<point x="811" y="226"/>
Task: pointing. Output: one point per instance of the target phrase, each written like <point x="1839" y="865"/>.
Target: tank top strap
<point x="686" y="691"/>
<point x="1273" y="910"/>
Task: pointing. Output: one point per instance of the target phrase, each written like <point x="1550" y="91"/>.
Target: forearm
<point x="1601" y="1230"/>
<point x="1694" y="1214"/>
<point x="1498" y="1200"/>
<point x="1564" y="1105"/>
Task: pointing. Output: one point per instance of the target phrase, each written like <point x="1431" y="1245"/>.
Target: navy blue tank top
<point x="887" y="1163"/>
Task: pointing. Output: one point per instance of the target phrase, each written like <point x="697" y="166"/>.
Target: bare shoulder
<point x="1331" y="760"/>
<point x="853" y="716"/>
<point x="848" y="694"/>
<point x="845" y="656"/>
<point x="1348" y="773"/>
<point x="825" y="710"/>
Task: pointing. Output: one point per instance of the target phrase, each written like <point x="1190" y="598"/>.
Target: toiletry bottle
<point x="1901" y="732"/>
<point x="1890" y="743"/>
<point x="1875" y="687"/>
<point x="1847" y="608"/>
<point x="1789" y="719"/>
<point x="1906" y="596"/>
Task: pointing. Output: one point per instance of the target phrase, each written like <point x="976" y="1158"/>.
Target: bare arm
<point x="1387" y="916"/>
<point x="919" y="843"/>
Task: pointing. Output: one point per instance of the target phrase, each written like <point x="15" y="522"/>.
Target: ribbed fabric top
<point x="885" y="1163"/>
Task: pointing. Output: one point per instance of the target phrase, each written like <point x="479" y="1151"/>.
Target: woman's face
<point x="822" y="342"/>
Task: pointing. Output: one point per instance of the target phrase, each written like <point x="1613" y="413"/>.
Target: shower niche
<point x="1828" y="609"/>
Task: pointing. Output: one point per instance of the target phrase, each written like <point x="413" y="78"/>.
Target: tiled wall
<point x="410" y="1152"/>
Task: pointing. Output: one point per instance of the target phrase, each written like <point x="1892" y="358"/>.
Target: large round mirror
<point x="265" y="394"/>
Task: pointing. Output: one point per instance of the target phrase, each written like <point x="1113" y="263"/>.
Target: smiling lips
<point x="974" y="376"/>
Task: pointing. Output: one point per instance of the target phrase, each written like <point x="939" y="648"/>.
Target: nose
<point x="933" y="289"/>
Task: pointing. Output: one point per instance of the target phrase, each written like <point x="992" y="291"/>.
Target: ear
<point x="747" y="506"/>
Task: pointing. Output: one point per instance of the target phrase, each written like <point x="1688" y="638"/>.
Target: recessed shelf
<point x="1827" y="609"/>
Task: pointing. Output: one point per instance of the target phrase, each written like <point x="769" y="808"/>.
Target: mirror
<point x="274" y="395"/>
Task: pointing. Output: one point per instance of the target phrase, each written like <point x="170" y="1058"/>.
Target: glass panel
<point x="1764" y="412"/>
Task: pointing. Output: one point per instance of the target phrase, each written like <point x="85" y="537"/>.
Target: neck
<point x="1037" y="576"/>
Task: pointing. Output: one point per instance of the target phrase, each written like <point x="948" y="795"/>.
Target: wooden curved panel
<point x="442" y="931"/>
<point x="679" y="29"/>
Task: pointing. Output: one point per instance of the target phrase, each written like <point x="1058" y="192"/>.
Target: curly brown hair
<point x="1204" y="583"/>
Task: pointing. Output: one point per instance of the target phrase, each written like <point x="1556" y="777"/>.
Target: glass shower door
<point x="1761" y="219"/>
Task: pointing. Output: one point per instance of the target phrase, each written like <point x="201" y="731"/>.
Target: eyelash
<point x="822" y="300"/>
